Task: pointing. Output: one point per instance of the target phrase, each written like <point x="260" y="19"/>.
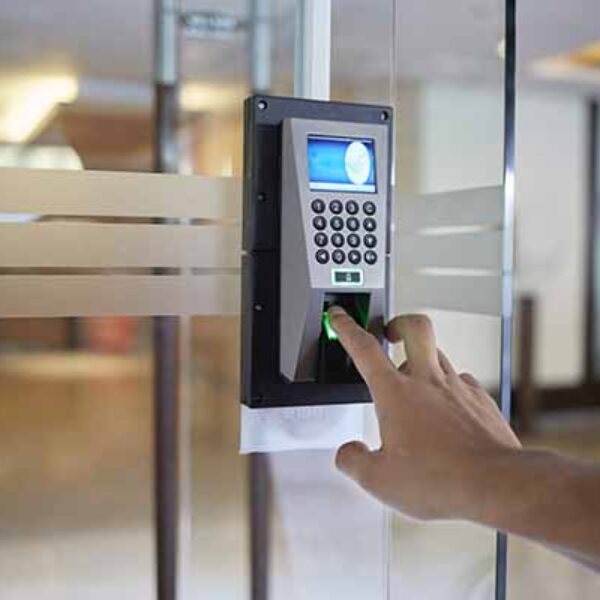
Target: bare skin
<point x="448" y="453"/>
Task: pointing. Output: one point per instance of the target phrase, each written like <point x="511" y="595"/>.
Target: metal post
<point x="526" y="392"/>
<point x="312" y="69"/>
<point x="260" y="45"/>
<point x="592" y="301"/>
<point x="166" y="476"/>
<point x="259" y="475"/>
<point x="507" y="257"/>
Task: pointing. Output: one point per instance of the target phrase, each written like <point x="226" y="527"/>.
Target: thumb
<point x="356" y="461"/>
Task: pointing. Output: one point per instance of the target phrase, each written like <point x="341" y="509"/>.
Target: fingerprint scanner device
<point x="316" y="234"/>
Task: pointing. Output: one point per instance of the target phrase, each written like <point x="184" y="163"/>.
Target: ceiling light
<point x="579" y="66"/>
<point x="588" y="56"/>
<point x="202" y="97"/>
<point x="27" y="103"/>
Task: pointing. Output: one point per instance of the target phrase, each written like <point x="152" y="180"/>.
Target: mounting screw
<point x="258" y="307"/>
<point x="384" y="116"/>
<point x="262" y="105"/>
<point x="262" y="197"/>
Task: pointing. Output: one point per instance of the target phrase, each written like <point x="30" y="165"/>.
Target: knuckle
<point x="439" y="381"/>
<point x="469" y="379"/>
<point x="420" y="321"/>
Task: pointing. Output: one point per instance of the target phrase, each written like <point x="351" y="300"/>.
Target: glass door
<point x="91" y="256"/>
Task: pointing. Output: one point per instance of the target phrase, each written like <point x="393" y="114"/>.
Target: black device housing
<point x="262" y="384"/>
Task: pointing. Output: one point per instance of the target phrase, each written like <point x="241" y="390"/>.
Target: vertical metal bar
<point x="260" y="45"/>
<point x="592" y="329"/>
<point x="165" y="333"/>
<point x="312" y="67"/>
<point x="507" y="257"/>
<point x="259" y="473"/>
<point x="526" y="395"/>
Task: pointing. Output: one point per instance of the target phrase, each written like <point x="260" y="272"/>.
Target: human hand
<point x="438" y="429"/>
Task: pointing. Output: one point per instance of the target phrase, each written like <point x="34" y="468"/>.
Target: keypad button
<point x="319" y="223"/>
<point x="338" y="257"/>
<point x="318" y="205"/>
<point x="337" y="239"/>
<point x="336" y="207"/>
<point x="354" y="257"/>
<point x="369" y="208"/>
<point x="351" y="207"/>
<point x="353" y="224"/>
<point x="370" y="240"/>
<point x="370" y="224"/>
<point x="337" y="223"/>
<point x="353" y="240"/>
<point x="370" y="257"/>
<point x="321" y="239"/>
<point x="322" y="256"/>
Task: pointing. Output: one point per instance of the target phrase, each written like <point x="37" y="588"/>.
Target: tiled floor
<point x="75" y="502"/>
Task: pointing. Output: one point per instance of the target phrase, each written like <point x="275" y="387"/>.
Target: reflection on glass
<point x="76" y="468"/>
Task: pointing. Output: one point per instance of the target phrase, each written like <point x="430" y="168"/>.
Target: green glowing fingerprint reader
<point x="316" y="233"/>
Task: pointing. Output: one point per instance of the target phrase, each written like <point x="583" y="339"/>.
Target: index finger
<point x="364" y="349"/>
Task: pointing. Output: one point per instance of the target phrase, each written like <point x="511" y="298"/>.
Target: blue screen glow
<point x="341" y="164"/>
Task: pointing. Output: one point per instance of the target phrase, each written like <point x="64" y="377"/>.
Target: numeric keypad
<point x="341" y="235"/>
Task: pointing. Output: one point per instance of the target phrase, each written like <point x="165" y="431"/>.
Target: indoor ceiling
<point x="110" y="40"/>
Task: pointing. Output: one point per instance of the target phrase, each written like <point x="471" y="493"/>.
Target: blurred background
<point x="76" y="393"/>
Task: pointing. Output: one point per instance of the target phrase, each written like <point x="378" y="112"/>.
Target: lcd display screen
<point x="337" y="164"/>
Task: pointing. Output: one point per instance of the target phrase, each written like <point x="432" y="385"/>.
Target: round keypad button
<point x="338" y="257"/>
<point x="369" y="208"/>
<point x="370" y="224"/>
<point x="337" y="223"/>
<point x="336" y="207"/>
<point x="337" y="239"/>
<point x="353" y="240"/>
<point x="370" y="240"/>
<point x="322" y="256"/>
<point x="321" y="239"/>
<point x="351" y="207"/>
<point x="319" y="223"/>
<point x="318" y="205"/>
<point x="370" y="257"/>
<point x="353" y="224"/>
<point x="354" y="257"/>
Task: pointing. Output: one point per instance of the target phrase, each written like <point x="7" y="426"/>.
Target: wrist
<point x="489" y="483"/>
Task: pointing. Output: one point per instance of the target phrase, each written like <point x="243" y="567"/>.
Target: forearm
<point x="542" y="496"/>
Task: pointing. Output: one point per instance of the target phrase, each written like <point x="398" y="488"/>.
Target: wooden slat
<point x="93" y="245"/>
<point x="108" y="194"/>
<point x="135" y="295"/>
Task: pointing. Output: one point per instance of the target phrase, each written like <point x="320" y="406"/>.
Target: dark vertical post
<point x="592" y="329"/>
<point x="259" y="477"/>
<point x="526" y="395"/>
<point x="260" y="525"/>
<point x="165" y="333"/>
<point x="507" y="258"/>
